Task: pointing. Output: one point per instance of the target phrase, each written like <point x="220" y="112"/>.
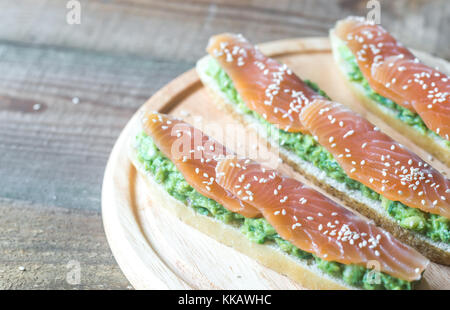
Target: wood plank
<point x="56" y="155"/>
<point x="179" y="29"/>
<point x="44" y="239"/>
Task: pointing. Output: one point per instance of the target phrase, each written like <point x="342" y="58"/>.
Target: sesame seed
<point x="348" y="133"/>
<point x="296" y="225"/>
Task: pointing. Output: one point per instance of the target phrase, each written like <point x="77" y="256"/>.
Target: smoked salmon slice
<point x="266" y="86"/>
<point x="316" y="224"/>
<point x="395" y="73"/>
<point x="194" y="154"/>
<point x="374" y="159"/>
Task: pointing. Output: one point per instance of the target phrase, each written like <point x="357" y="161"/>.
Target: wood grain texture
<point x="69" y="141"/>
<point x="123" y="51"/>
<point x="38" y="242"/>
<point x="55" y="156"/>
<point x="178" y="29"/>
<point x="155" y="249"/>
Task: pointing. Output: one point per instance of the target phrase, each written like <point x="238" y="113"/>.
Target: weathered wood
<point x="37" y="243"/>
<point x="178" y="29"/>
<point x="55" y="155"/>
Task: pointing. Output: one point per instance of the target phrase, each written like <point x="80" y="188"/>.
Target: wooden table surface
<point x="66" y="91"/>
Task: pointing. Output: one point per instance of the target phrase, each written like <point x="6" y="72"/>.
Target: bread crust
<point x="423" y="140"/>
<point x="436" y="251"/>
<point x="267" y="255"/>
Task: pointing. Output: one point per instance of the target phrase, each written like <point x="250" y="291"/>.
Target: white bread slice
<point x="435" y="251"/>
<point x="269" y="255"/>
<point x="434" y="146"/>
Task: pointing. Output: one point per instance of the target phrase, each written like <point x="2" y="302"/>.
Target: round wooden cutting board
<point x="154" y="249"/>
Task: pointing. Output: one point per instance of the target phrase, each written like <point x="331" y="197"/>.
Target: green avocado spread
<point x="257" y="230"/>
<point x="306" y="147"/>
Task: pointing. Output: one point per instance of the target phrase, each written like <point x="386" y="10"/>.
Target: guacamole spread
<point x="257" y="230"/>
<point x="306" y="147"/>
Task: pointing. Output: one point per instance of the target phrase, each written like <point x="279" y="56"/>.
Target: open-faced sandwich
<point x="332" y="146"/>
<point x="272" y="218"/>
<point x="410" y="96"/>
